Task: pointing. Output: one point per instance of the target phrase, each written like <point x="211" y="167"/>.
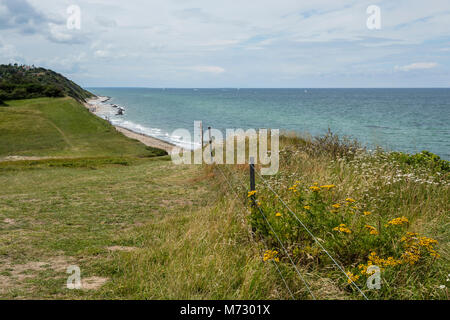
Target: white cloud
<point x="187" y="43"/>
<point x="101" y="54"/>
<point x="208" y="69"/>
<point x="417" y="66"/>
<point x="59" y="33"/>
<point x="8" y="51"/>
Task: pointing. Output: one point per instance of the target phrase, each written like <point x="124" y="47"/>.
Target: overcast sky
<point x="232" y="43"/>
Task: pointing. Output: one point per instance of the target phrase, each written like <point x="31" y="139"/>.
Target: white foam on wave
<point x="155" y="133"/>
<point x="107" y="111"/>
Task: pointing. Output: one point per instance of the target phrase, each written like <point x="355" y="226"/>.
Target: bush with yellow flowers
<point x="354" y="235"/>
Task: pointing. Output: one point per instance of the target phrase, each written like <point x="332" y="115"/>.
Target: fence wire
<point x="274" y="262"/>
<point x="312" y="236"/>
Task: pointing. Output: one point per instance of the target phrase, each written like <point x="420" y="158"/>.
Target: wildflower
<point x="342" y="228"/>
<point x="398" y="221"/>
<point x="366" y="213"/>
<point x="363" y="268"/>
<point x="271" y="255"/>
<point x="350" y="200"/>
<point x="314" y="188"/>
<point x="372" y="230"/>
<point x="389" y="262"/>
<point x="328" y="186"/>
<point x="435" y="255"/>
<point x="411" y="256"/>
<point x="352" y="277"/>
<point x="307" y="207"/>
<point x="278" y="214"/>
<point x="336" y="205"/>
<point x="251" y="193"/>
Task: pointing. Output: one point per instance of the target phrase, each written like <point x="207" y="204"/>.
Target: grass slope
<point x="150" y="230"/>
<point x="61" y="127"/>
<point x="138" y="227"/>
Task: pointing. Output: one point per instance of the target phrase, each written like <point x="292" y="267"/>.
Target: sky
<point x="238" y="44"/>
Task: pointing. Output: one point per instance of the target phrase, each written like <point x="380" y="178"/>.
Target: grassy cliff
<point x="26" y="82"/>
<point x="61" y="127"/>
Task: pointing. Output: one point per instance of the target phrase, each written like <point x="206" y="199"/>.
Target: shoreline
<point x="93" y="107"/>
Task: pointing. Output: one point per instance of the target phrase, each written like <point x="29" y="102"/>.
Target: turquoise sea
<point x="408" y="120"/>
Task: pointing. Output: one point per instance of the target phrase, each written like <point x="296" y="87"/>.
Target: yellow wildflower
<point x="307" y="207"/>
<point x="363" y="268"/>
<point x="398" y="221"/>
<point x="328" y="186"/>
<point x="336" y="205"/>
<point x="271" y="255"/>
<point x="278" y="214"/>
<point x="314" y="188"/>
<point x="350" y="200"/>
<point x="342" y="228"/>
<point x="352" y="277"/>
<point x="389" y="262"/>
<point x="372" y="230"/>
<point x="251" y="193"/>
<point x="366" y="213"/>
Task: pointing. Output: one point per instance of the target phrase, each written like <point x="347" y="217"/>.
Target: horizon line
<point x="299" y="88"/>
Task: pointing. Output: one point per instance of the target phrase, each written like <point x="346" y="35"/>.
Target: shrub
<point x="423" y="159"/>
<point x="52" y="91"/>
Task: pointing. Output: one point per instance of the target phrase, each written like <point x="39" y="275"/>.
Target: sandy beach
<point x="96" y="107"/>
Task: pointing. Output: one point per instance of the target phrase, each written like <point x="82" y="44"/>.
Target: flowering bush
<point x="367" y="209"/>
<point x="355" y="236"/>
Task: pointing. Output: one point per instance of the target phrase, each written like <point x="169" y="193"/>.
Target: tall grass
<point x="366" y="208"/>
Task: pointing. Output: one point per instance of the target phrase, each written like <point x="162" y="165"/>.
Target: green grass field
<point x="61" y="127"/>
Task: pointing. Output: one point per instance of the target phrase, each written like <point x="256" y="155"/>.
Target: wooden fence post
<point x="210" y="143"/>
<point x="252" y="179"/>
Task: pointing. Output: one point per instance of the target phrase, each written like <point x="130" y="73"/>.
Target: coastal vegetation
<point x="384" y="209"/>
<point x="26" y="82"/>
<point x="140" y="227"/>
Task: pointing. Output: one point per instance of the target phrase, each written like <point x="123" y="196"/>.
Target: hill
<point x="62" y="127"/>
<point x="25" y="82"/>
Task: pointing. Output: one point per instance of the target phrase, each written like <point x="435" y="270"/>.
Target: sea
<point x="408" y="120"/>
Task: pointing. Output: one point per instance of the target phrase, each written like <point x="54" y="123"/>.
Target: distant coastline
<point x="96" y="106"/>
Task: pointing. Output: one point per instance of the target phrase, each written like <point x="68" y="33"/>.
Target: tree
<point x="19" y="93"/>
<point x="52" y="91"/>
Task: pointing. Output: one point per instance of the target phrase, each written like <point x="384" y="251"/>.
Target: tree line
<point x="27" y="82"/>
